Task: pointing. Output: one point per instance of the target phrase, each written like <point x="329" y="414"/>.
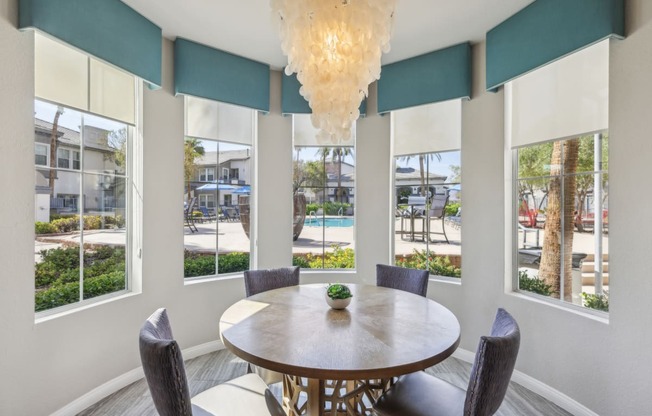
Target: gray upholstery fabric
<point x="166" y="378"/>
<point x="163" y="366"/>
<point x="409" y="280"/>
<point x="420" y="394"/>
<point x="493" y="366"/>
<point x="257" y="281"/>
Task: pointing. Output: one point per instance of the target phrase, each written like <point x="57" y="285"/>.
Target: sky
<point x="71" y="119"/>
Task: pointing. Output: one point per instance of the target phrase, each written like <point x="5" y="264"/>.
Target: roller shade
<point x="547" y="30"/>
<point x="292" y="102"/>
<point x="428" y="128"/>
<point x="69" y="77"/>
<point x="304" y="134"/>
<point x="436" y="76"/>
<point x="107" y="29"/>
<point x="564" y="99"/>
<point x="207" y="119"/>
<point x="209" y="73"/>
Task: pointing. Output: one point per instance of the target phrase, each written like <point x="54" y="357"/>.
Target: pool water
<point x="329" y="222"/>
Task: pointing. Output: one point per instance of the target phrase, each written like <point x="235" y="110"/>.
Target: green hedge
<point x="437" y="265"/>
<point x="57" y="275"/>
<point x="533" y="284"/>
<point x="61" y="224"/>
<point x="599" y="302"/>
<point x="329" y="208"/>
<point x="204" y="264"/>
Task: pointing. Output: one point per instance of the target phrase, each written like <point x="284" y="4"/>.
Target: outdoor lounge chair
<point x="208" y="214"/>
<point x="166" y="377"/>
<point x="187" y="213"/>
<point x="420" y="394"/>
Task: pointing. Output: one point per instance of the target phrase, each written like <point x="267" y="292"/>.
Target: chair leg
<point x="443" y="228"/>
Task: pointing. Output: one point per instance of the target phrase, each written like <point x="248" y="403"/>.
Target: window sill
<point x="445" y="279"/>
<point x="595" y="315"/>
<point x="188" y="281"/>
<point x="52" y="314"/>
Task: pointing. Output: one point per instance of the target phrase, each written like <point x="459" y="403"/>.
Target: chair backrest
<point x="438" y="206"/>
<point x="409" y="280"/>
<point x="257" y="281"/>
<point x="163" y="366"/>
<point x="493" y="366"/>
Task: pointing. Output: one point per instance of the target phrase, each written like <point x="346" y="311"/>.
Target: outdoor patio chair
<point x="166" y="378"/>
<point x="420" y="394"/>
<point x="208" y="214"/>
<point x="190" y="219"/>
<point x="401" y="278"/>
<point x="257" y="281"/>
<point x="437" y="211"/>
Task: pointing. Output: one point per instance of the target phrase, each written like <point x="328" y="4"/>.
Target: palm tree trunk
<point x="339" y="177"/>
<point x="564" y="155"/>
<point x="53" y="151"/>
<point x="422" y="172"/>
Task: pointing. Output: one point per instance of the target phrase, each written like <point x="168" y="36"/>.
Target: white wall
<point x="604" y="366"/>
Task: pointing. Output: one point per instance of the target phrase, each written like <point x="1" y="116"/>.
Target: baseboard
<point x="125" y="379"/>
<point x="536" y="386"/>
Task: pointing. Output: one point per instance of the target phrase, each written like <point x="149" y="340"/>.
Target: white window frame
<point x="206" y="174"/>
<point x="47" y="154"/>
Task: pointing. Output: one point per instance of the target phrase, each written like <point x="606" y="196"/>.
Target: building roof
<point x="209" y="158"/>
<point x="97" y="138"/>
<point x="409" y="174"/>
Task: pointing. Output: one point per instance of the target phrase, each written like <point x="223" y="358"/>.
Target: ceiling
<point x="244" y="27"/>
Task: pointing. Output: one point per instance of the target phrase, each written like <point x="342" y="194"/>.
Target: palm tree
<point x="423" y="158"/>
<point x="564" y="159"/>
<point x="53" y="149"/>
<point x="337" y="155"/>
<point x="193" y="149"/>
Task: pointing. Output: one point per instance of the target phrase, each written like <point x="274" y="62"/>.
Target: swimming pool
<point x="329" y="222"/>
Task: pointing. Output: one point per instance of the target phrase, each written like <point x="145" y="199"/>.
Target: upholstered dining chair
<point x="420" y="394"/>
<point x="257" y="281"/>
<point x="166" y="378"/>
<point x="409" y="280"/>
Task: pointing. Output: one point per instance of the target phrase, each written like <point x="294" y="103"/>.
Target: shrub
<point x="437" y="265"/>
<point x="312" y="208"/>
<point x="66" y="293"/>
<point x="301" y="262"/>
<point x="118" y="221"/>
<point x="45" y="228"/>
<point x="232" y="262"/>
<point x="204" y="264"/>
<point x="451" y="209"/>
<point x="199" y="265"/>
<point x="66" y="224"/>
<point x="56" y="262"/>
<point x="92" y="222"/>
<point x="533" y="284"/>
<point x="599" y="302"/>
<point x="337" y="259"/>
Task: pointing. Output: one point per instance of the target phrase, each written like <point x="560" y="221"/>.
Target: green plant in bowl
<point x="338" y="296"/>
<point x="338" y="291"/>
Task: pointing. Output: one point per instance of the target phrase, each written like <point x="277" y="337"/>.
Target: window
<point x="558" y="130"/>
<point x="207" y="175"/>
<point x="67" y="158"/>
<point x="217" y="225"/>
<point x="428" y="188"/>
<point x="41" y="154"/>
<point x="83" y="164"/>
<point x="81" y="205"/>
<point x="323" y="201"/>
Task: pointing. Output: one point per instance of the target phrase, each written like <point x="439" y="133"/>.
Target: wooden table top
<point x="383" y="332"/>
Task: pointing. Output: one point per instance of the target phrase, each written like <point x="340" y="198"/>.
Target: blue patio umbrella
<point x="246" y="189"/>
<point x="216" y="187"/>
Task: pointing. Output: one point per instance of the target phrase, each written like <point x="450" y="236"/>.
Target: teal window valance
<point x="107" y="29"/>
<point x="210" y="73"/>
<point x="436" y="76"/>
<point x="547" y="30"/>
<point x="292" y="102"/>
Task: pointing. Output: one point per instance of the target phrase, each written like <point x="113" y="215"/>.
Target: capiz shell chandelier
<point x="334" y="46"/>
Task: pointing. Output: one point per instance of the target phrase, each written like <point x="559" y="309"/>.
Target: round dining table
<point x="341" y="360"/>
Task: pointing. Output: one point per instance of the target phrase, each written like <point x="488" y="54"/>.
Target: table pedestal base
<point x="308" y="396"/>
